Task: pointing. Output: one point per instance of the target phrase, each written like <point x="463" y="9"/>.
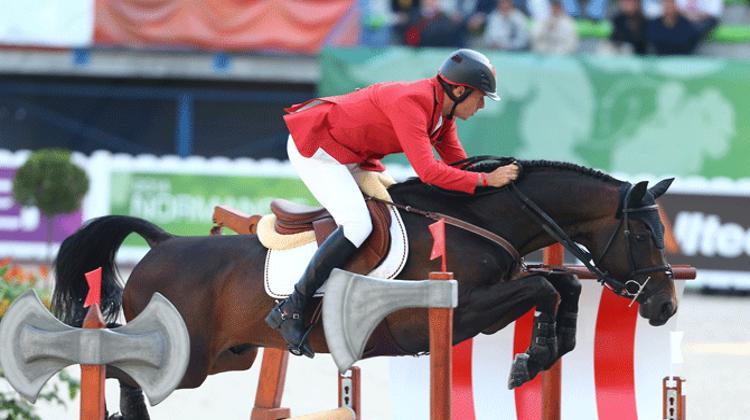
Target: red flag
<point x="94" y="279"/>
<point x="438" y="240"/>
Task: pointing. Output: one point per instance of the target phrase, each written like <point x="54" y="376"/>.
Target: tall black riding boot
<point x="288" y="315"/>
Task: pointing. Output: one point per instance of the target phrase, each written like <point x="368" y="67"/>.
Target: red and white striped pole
<point x="552" y="378"/>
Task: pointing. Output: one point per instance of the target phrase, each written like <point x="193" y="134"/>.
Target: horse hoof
<point x="565" y="343"/>
<point x="566" y="332"/>
<point x="519" y="372"/>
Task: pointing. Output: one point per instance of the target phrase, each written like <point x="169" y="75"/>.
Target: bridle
<point x="631" y="288"/>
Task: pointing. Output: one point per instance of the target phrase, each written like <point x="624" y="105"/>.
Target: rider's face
<point x="470" y="105"/>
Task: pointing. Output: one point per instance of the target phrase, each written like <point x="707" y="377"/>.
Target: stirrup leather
<point x="297" y="350"/>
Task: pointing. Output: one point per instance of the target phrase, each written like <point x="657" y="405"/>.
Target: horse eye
<point x="641" y="237"/>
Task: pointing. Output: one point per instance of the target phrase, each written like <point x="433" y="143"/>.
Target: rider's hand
<point x="502" y="176"/>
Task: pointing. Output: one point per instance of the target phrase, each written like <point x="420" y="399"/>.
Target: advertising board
<point x="24" y="231"/>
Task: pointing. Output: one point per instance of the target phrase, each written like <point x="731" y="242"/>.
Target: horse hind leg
<point x="132" y="403"/>
<point x="569" y="288"/>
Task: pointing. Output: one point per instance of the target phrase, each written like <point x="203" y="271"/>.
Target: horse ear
<point x="661" y="187"/>
<point x="636" y="195"/>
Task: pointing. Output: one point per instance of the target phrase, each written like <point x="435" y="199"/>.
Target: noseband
<point x="630" y="288"/>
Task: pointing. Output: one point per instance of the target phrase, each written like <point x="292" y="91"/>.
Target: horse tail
<point x="95" y="245"/>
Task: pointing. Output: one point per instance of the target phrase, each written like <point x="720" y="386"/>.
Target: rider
<point x="330" y="137"/>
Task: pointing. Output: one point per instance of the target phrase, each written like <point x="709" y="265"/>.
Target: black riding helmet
<point x="468" y="68"/>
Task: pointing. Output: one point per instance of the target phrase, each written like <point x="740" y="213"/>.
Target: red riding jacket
<point x="385" y="118"/>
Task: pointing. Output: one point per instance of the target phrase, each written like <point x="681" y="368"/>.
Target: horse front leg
<point x="543" y="350"/>
<point x="569" y="288"/>
<point x="506" y="301"/>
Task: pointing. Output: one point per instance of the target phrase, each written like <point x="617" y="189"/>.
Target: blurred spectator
<point x="471" y="14"/>
<point x="704" y="14"/>
<point x="537" y="9"/>
<point x="629" y="28"/>
<point x="672" y="33"/>
<point x="405" y="14"/>
<point x="467" y="8"/>
<point x="557" y="34"/>
<point x="507" y="28"/>
<point x="651" y="8"/>
<point x="376" y="23"/>
<point x="436" y="28"/>
<point x="475" y="13"/>
<point x="595" y="9"/>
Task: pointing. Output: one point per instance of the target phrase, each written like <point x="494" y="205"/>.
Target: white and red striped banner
<point x="47" y="23"/>
<point x="291" y="26"/>
<point x="614" y="373"/>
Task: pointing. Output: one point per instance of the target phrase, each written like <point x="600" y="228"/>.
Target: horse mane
<point x="490" y="163"/>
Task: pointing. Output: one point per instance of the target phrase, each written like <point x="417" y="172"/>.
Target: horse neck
<point x="577" y="202"/>
<point x="580" y="204"/>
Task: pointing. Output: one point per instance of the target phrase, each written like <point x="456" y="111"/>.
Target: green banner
<point x="183" y="204"/>
<point x="660" y="116"/>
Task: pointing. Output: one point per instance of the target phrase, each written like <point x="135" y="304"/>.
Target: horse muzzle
<point x="658" y="309"/>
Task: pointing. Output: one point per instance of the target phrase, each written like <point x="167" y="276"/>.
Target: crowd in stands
<point x="661" y="27"/>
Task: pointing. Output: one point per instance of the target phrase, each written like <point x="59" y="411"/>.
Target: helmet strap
<point x="458" y="100"/>
<point x="448" y="88"/>
<point x="453" y="109"/>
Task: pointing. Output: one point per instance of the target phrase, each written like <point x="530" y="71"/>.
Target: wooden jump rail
<point x="341" y="413"/>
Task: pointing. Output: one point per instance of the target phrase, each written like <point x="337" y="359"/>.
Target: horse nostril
<point x="667" y="309"/>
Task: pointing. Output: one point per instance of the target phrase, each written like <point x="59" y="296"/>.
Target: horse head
<point x="629" y="248"/>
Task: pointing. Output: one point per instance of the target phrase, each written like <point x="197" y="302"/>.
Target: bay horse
<point x="216" y="282"/>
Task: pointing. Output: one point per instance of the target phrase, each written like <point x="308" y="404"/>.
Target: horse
<point x="216" y="282"/>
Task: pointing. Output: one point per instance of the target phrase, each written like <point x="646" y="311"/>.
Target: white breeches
<point x="333" y="185"/>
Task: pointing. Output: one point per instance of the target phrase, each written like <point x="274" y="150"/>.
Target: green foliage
<point x="14" y="281"/>
<point x="50" y="181"/>
<point x="12" y="407"/>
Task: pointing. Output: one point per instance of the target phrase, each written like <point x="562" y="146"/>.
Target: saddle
<point x="294" y="219"/>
